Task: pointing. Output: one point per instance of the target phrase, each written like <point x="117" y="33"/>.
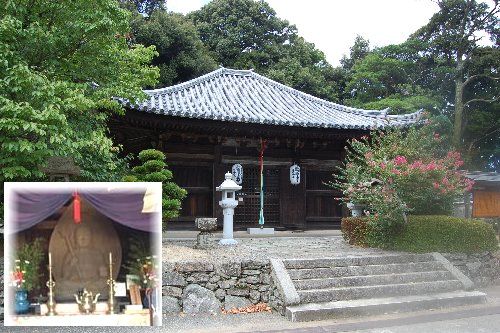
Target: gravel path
<point x="265" y="248"/>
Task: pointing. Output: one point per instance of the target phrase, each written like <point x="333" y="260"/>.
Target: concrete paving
<point x="483" y="318"/>
<point x="191" y="235"/>
<point x="264" y="248"/>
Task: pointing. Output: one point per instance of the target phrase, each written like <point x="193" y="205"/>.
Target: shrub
<point x="354" y="230"/>
<point x="445" y="234"/>
<point x="397" y="172"/>
<point x="154" y="169"/>
<point x="151" y="154"/>
<point x="29" y="257"/>
<point x="154" y="165"/>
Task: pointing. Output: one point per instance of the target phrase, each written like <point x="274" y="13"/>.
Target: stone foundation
<point x="194" y="287"/>
<point x="482" y="268"/>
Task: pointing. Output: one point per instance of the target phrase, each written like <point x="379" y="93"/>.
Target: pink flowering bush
<point x="397" y="172"/>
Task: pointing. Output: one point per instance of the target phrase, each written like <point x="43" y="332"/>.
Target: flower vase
<point x="145" y="298"/>
<point x="21" y="303"/>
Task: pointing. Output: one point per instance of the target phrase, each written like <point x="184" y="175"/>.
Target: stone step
<point x="350" y="293"/>
<point x="317" y="273"/>
<point x="356" y="261"/>
<point x="370" y="280"/>
<point x="374" y="306"/>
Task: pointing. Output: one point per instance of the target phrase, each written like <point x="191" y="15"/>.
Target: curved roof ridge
<point x="339" y="107"/>
<point x="187" y="84"/>
<point x="238" y="95"/>
<point x="250" y="72"/>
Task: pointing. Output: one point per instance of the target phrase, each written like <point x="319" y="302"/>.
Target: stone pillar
<point x="228" y="212"/>
<point x="228" y="204"/>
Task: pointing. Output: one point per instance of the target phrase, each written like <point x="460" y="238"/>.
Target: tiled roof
<point x="245" y="96"/>
<point x="488" y="177"/>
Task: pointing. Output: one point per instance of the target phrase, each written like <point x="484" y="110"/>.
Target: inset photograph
<point x="82" y="254"/>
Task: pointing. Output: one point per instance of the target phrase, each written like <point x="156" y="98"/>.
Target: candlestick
<point x="51" y="304"/>
<point x="50" y="265"/>
<point x="111" y="284"/>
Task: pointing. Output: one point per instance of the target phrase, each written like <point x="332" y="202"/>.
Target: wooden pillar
<point x="218" y="177"/>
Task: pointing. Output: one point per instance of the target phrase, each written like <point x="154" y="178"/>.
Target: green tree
<point x="181" y="54"/>
<point x="61" y="65"/>
<point x="247" y="34"/>
<point x="397" y="77"/>
<point x="358" y="51"/>
<point x="453" y="34"/>
<point x="154" y="169"/>
<point x="240" y="32"/>
<point x="144" y="7"/>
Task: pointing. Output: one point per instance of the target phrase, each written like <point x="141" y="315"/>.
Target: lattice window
<point x="248" y="211"/>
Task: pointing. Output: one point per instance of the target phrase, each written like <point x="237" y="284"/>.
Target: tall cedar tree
<point x="453" y="35"/>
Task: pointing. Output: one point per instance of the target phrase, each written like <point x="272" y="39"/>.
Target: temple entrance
<point x="247" y="213"/>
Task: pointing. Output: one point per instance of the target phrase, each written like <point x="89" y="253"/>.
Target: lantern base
<point x="260" y="231"/>
<point x="228" y="242"/>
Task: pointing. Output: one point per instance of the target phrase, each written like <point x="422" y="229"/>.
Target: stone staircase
<point x="316" y="289"/>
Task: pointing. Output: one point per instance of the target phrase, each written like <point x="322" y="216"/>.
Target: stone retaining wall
<point x="194" y="287"/>
<point x="482" y="268"/>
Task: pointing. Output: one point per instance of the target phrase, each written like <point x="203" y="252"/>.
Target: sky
<point x="332" y="25"/>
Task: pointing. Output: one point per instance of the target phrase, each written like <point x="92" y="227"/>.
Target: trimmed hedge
<point x="429" y="233"/>
<point x="354" y="230"/>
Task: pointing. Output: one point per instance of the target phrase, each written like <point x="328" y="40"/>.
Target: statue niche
<point x="80" y="253"/>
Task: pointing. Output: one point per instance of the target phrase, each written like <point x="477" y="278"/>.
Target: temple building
<point x="225" y="120"/>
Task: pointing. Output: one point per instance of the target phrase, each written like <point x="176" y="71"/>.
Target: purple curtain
<point x="124" y="207"/>
<point x="32" y="208"/>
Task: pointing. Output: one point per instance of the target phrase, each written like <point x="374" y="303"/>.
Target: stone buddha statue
<point x="84" y="263"/>
<point x="80" y="253"/>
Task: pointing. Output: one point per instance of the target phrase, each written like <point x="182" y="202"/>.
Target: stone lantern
<point x="228" y="203"/>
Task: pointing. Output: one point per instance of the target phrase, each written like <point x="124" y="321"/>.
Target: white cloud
<point x="333" y="25"/>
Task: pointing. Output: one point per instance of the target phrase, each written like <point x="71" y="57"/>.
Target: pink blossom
<point x="396" y="171"/>
<point x="436" y="185"/>
<point x="445" y="181"/>
<point x="453" y="155"/>
<point x="431" y="166"/>
<point x="368" y="155"/>
<point x="469" y="183"/>
<point x="383" y="165"/>
<point x="400" y="160"/>
<point x="459" y="163"/>
<point x="416" y="165"/>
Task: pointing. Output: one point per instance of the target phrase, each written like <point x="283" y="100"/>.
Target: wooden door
<point x="197" y="181"/>
<point x="322" y="210"/>
<point x="293" y="204"/>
